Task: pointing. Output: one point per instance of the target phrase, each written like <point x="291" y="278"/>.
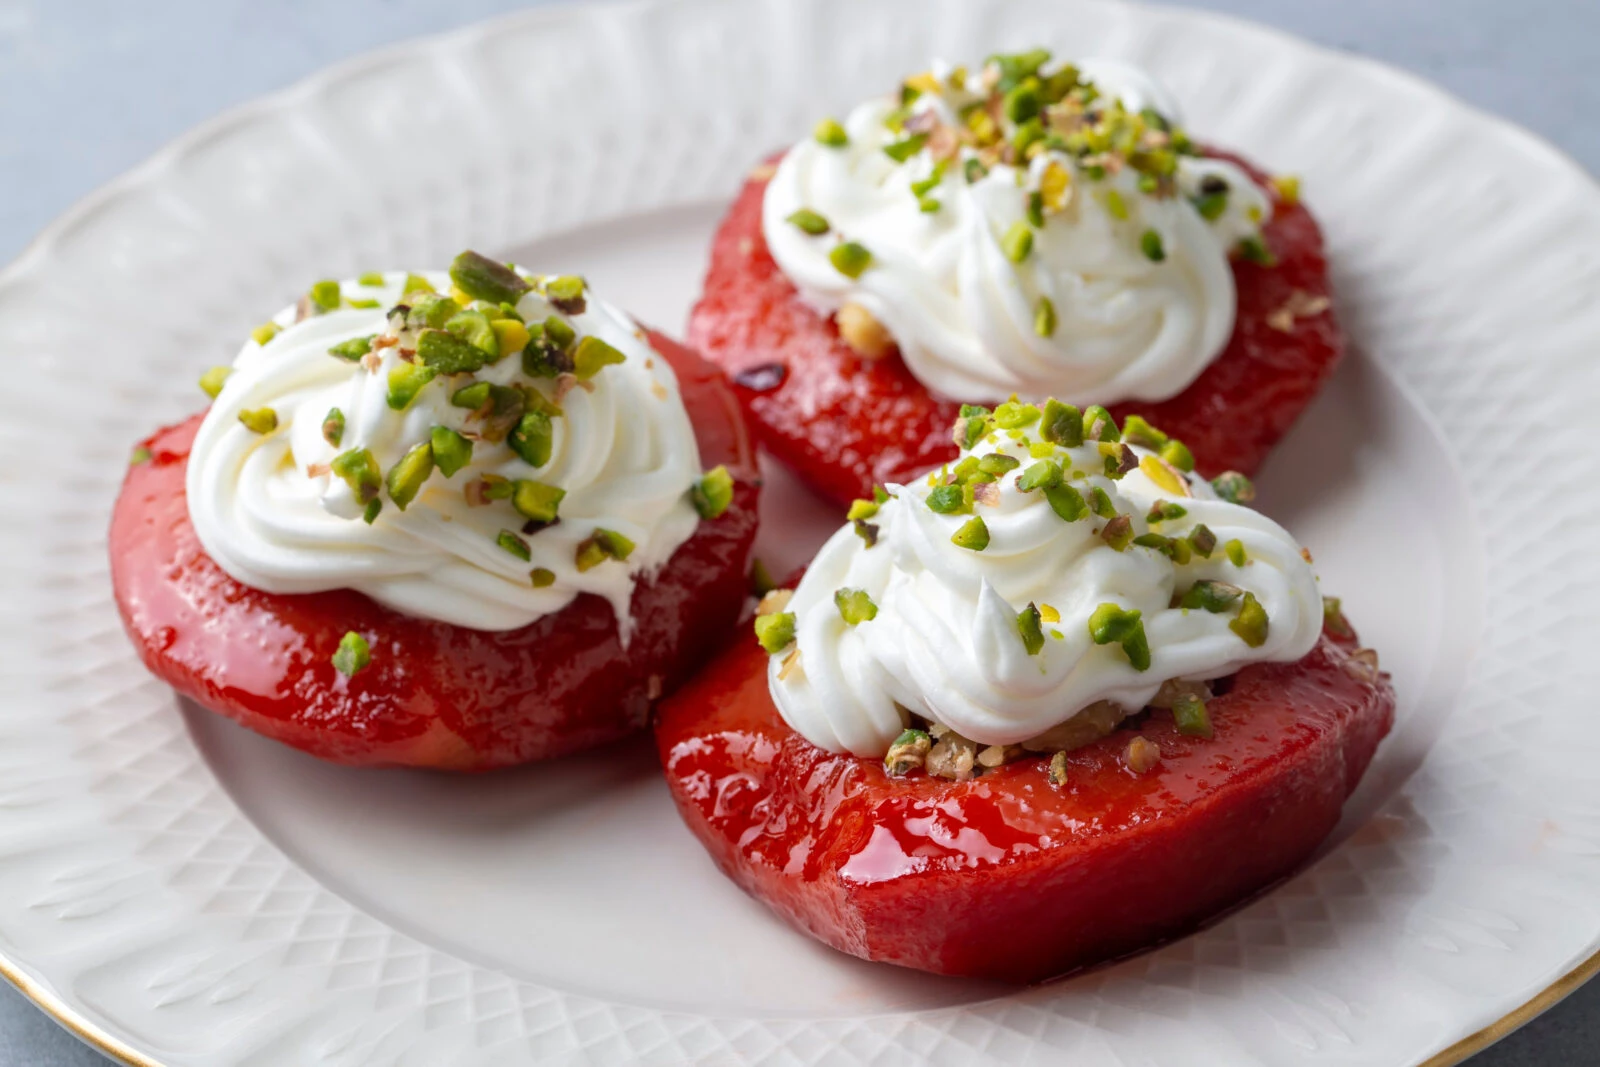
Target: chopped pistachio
<point x="850" y="259"/>
<point x="862" y="509"/>
<point x="415" y="283"/>
<point x="265" y="332"/>
<point x="566" y="293"/>
<point x="1027" y="135"/>
<point x="1251" y="625"/>
<point x="406" y="380"/>
<point x="1017" y="242"/>
<point x="907" y="753"/>
<point x="592" y="356"/>
<point x="259" y="420"/>
<point x="1255" y="250"/>
<point x="533" y="438"/>
<point x="212" y="380"/>
<point x="1116" y="207"/>
<point x="451" y="451"/>
<point x="867" y="531"/>
<point x="536" y="500"/>
<point x="973" y="534"/>
<point x="1163" y="475"/>
<point x="1136" y="430"/>
<point x="1045" y="474"/>
<point x="713" y="493"/>
<point x="365" y="303"/>
<point x="1189" y="712"/>
<point x="998" y="463"/>
<point x="431" y="309"/>
<point x="1212" y="596"/>
<point x="139" y="456"/>
<point x="1211" y="205"/>
<point x="352" y="654"/>
<point x="326" y="295"/>
<point x="1048" y="613"/>
<point x="353" y="349"/>
<point x="1202" y="540"/>
<point x="542" y="577"/>
<point x="1098" y="425"/>
<point x="406" y="478"/>
<point x="947" y="499"/>
<point x="830" y="133"/>
<point x="1176" y="453"/>
<point x="906" y="147"/>
<point x="1066" y="502"/>
<point x="474" y="328"/>
<point x="1100" y="503"/>
<point x="513" y="543"/>
<point x="1022" y="102"/>
<point x="1030" y="630"/>
<point x="1159" y="542"/>
<point x="1179" y="550"/>
<point x="600" y="546"/>
<point x="1058" y="769"/>
<point x="373" y="509"/>
<point x="484" y="279"/>
<point x="359" y="469"/>
<point x="1235" y="551"/>
<point x="472" y="396"/>
<point x="1013" y="415"/>
<point x="1165" y="511"/>
<point x="775" y="632"/>
<point x="372" y="279"/>
<point x="1287" y="186"/>
<point x="974" y="170"/>
<point x="855" y="606"/>
<point x="1150" y="244"/>
<point x="808" y="221"/>
<point x="1061" y="424"/>
<point x="510" y="336"/>
<point x="1234" y="487"/>
<point x="1118" y="532"/>
<point x="443" y="351"/>
<point x="1112" y="624"/>
<point x="1044" y="317"/>
<point x="1120" y="459"/>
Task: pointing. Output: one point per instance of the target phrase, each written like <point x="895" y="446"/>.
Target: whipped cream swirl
<point x="1126" y="292"/>
<point x="270" y="511"/>
<point x="945" y="642"/>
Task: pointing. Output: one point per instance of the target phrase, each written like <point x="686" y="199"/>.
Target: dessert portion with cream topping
<point x="1061" y="574"/>
<point x="1023" y="227"/>
<point x="478" y="448"/>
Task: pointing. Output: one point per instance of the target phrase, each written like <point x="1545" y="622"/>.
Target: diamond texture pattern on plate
<point x="141" y="892"/>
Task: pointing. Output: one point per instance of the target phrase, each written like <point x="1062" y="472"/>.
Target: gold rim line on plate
<point x="1536" y="1005"/>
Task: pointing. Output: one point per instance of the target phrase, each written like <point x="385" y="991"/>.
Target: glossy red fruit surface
<point x="845" y="423"/>
<point x="1006" y="876"/>
<point x="434" y="695"/>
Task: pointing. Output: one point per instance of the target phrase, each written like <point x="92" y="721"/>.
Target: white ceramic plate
<point x="182" y="892"/>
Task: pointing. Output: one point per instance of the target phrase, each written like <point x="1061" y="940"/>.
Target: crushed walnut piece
<point x="1089" y="725"/>
<point x="1141" y="756"/>
<point x="952" y="756"/>
<point x="1362" y="664"/>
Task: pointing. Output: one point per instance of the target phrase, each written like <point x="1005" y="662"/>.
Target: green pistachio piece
<point x="514" y="544"/>
<point x="405" y="479"/>
<point x="536" y="500"/>
<point x="1061" y="424"/>
<point x="1030" y="629"/>
<point x="855" y="606"/>
<point x="713" y="493"/>
<point x="1098" y="425"/>
<point x="333" y="427"/>
<point x="808" y="221"/>
<point x="1100" y="503"/>
<point x="259" y="420"/>
<point x="862" y="509"/>
<point x="830" y="133"/>
<point x="1215" y="597"/>
<point x="920" y="189"/>
<point x="1044" y="317"/>
<point x="472" y="396"/>
<point x="1118" y="532"/>
<point x="1235" y="552"/>
<point x="868" y="532"/>
<point x="406" y="380"/>
<point x="1189" y="713"/>
<point x="593" y="355"/>
<point x="1211" y="205"/>
<point x="353" y="349"/>
<point x="906" y="147"/>
<point x="907" y="753"/>
<point x="484" y="279"/>
<point x="1202" y="540"/>
<point x="998" y="463"/>
<point x="1255" y="250"/>
<point x="1045" y="474"/>
<point x="1017" y="242"/>
<point x="1022" y="102"/>
<point x="601" y="546"/>
<point x="1139" y="432"/>
<point x="1234" y="487"/>
<point x="775" y="632"/>
<point x="1160" y="542"/>
<point x="1165" y="511"/>
<point x="212" y="380"/>
<point x="139" y="456"/>
<point x="1066" y="502"/>
<point x="973" y="535"/>
<point x="1150" y="244"/>
<point x="372" y="279"/>
<point x="1251" y="625"/>
<point x="974" y="170"/>
<point x="533" y="438"/>
<point x="946" y="499"/>
<point x="325" y="295"/>
<point x="565" y="292"/>
<point x="1177" y="454"/>
<point x="415" y="283"/>
<point x="542" y="577"/>
<point x="1013" y="415"/>
<point x="1116" y="207"/>
<point x="1035" y="210"/>
<point x="373" y="509"/>
<point x="474" y="328"/>
<point x="1179" y="551"/>
<point x="442" y="351"/>
<point x="1111" y="624"/>
<point x="364" y="303"/>
<point x="1026" y="136"/>
<point x="432" y="310"/>
<point x="352" y="654"/>
<point x="451" y="451"/>
<point x="850" y="259"/>
<point x="265" y="332"/>
<point x="359" y="469"/>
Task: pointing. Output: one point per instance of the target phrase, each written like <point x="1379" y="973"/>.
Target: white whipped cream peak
<point x="1126" y="292"/>
<point x="268" y="509"/>
<point x="945" y="643"/>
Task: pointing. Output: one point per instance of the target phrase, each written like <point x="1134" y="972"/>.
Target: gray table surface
<point x="88" y="88"/>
